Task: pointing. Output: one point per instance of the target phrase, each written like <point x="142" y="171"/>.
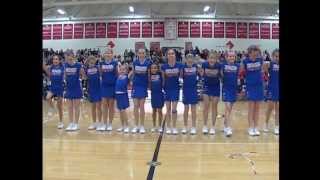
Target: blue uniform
<point x="254" y="83"/>
<point x="94" y="83"/>
<point x="140" y="79"/>
<point x="212" y="74"/>
<point x="157" y="96"/>
<point x="230" y="82"/>
<point x="273" y="85"/>
<point x="56" y="78"/>
<point x="74" y="89"/>
<point x="190" y="95"/>
<point x="109" y="77"/>
<point x="171" y="83"/>
<point x="121" y="92"/>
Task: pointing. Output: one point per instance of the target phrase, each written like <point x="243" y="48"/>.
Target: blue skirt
<point x="157" y="99"/>
<point x="229" y="94"/>
<point x="254" y="92"/>
<point x="95" y="96"/>
<point x="73" y="93"/>
<point x="213" y="90"/>
<point x="122" y="101"/>
<point x="56" y="91"/>
<point x="107" y="91"/>
<point x="273" y="94"/>
<point x="171" y="94"/>
<point x="190" y="96"/>
<point x="139" y="92"/>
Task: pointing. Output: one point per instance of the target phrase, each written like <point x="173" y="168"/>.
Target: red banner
<point x="254" y="30"/>
<point x="242" y="30"/>
<point x="219" y="29"/>
<point x="101" y="30"/>
<point x="158" y="29"/>
<point x="112" y="30"/>
<point x="265" y="30"/>
<point x="123" y="29"/>
<point x="67" y="31"/>
<point x="183" y="29"/>
<point x="135" y="29"/>
<point x="46" y="31"/>
<point x="275" y="31"/>
<point x="206" y="29"/>
<point x="78" y="31"/>
<point x="89" y="30"/>
<point x="230" y="30"/>
<point x="57" y="31"/>
<point x="146" y="29"/>
<point x="194" y="29"/>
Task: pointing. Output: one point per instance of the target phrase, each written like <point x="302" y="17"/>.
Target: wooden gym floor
<point x="91" y="155"/>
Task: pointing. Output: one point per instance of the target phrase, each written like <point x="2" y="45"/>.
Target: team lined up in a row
<point x="108" y="81"/>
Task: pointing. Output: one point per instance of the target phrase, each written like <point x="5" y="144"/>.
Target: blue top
<point x="140" y="77"/>
<point x="189" y="76"/>
<point x="171" y="76"/>
<point x="109" y="72"/>
<point x="93" y="78"/>
<point x="73" y="75"/>
<point x="121" y="84"/>
<point x="56" y="76"/>
<point x="230" y="74"/>
<point x="274" y="74"/>
<point x="212" y="73"/>
<point x="156" y="83"/>
<point x="253" y="71"/>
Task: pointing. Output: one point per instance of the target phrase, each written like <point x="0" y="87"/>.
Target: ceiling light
<point x="60" y="11"/>
<point x="131" y="9"/>
<point x="278" y="11"/>
<point x="206" y="8"/>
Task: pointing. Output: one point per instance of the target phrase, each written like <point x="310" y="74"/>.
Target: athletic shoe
<point x="142" y="130"/>
<point x="92" y="126"/>
<point x="120" y="129"/>
<point x="212" y="131"/>
<point x="276" y="131"/>
<point x="109" y="128"/>
<point x="98" y="126"/>
<point x="134" y="130"/>
<point x="175" y="131"/>
<point x="160" y="130"/>
<point x="251" y="132"/>
<point x="193" y="131"/>
<point x="60" y="125"/>
<point x="126" y="130"/>
<point x="75" y="127"/>
<point x="228" y="131"/>
<point x="205" y="130"/>
<point x="103" y="127"/>
<point x="256" y="132"/>
<point x="153" y="129"/>
<point x="69" y="127"/>
<point x="168" y="131"/>
<point x="266" y="128"/>
<point x="184" y="130"/>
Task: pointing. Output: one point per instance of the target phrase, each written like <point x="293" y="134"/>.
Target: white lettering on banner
<point x="155" y="77"/>
<point x="253" y="66"/>
<point x="107" y="68"/>
<point x="172" y="72"/>
<point x="56" y="72"/>
<point x="211" y="72"/>
<point x="141" y="69"/>
<point x="92" y="71"/>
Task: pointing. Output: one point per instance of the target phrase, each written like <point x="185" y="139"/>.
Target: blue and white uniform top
<point x="212" y="74"/>
<point x="73" y="75"/>
<point x="121" y="84"/>
<point x="253" y="71"/>
<point x="274" y="74"/>
<point x="141" y="72"/>
<point x="190" y="76"/>
<point x="230" y="74"/>
<point x="109" y="72"/>
<point x="56" y="76"/>
<point x="172" y="74"/>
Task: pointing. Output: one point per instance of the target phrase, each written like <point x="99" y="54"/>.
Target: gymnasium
<point x="160" y="89"/>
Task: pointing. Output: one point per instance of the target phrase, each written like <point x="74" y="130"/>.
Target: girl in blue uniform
<point x="171" y="71"/>
<point x="73" y="70"/>
<point x="211" y="71"/>
<point x="190" y="96"/>
<point x="121" y="94"/>
<point x="108" y="69"/>
<point x="157" y="96"/>
<point x="273" y="91"/>
<point x="230" y="72"/>
<point x="253" y="67"/>
<point x="94" y="90"/>
<point x="140" y="73"/>
<point x="56" y="74"/>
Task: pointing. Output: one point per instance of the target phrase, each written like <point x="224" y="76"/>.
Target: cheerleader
<point x="94" y="90"/>
<point x="273" y="91"/>
<point x="211" y="71"/>
<point x="73" y="71"/>
<point x="171" y="71"/>
<point x="56" y="74"/>
<point x="230" y="72"/>
<point x="108" y="69"/>
<point x="157" y="97"/>
<point x="140" y="73"/>
<point x="190" y="96"/>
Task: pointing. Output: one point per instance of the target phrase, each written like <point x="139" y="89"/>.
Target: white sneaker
<point x="256" y="132"/>
<point x="109" y="128"/>
<point x="251" y="132"/>
<point x="120" y="129"/>
<point x="266" y="128"/>
<point x="160" y="130"/>
<point x="184" y="130"/>
<point x="175" y="131"/>
<point x="92" y="126"/>
<point x="276" y="131"/>
<point x="98" y="125"/>
<point x="153" y="129"/>
<point x="212" y="131"/>
<point x="193" y="131"/>
<point x="69" y="127"/>
<point x="228" y="131"/>
<point x="134" y="130"/>
<point x="142" y="130"/>
<point x="126" y="130"/>
<point x="168" y="131"/>
<point x="75" y="127"/>
<point x="205" y="130"/>
<point x="103" y="127"/>
<point x="60" y="125"/>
